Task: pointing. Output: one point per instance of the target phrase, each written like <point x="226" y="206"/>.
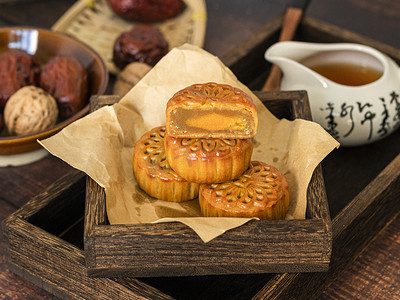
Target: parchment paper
<point x="101" y="144"/>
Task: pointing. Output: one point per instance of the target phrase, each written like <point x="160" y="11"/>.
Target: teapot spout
<point x="288" y="56"/>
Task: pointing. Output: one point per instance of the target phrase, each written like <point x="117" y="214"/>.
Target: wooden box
<point x="173" y="249"/>
<point x="44" y="239"/>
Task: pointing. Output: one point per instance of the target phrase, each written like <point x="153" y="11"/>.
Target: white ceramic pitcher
<point x="354" y="115"/>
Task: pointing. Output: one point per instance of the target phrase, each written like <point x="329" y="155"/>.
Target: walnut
<point x="30" y="110"/>
<point x="129" y="77"/>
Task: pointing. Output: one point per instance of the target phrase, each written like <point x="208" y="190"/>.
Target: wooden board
<point x="147" y="250"/>
<point x="359" y="212"/>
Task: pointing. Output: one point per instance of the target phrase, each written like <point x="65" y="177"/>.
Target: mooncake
<point x="208" y="160"/>
<point x="153" y="173"/>
<point x="262" y="192"/>
<point x="211" y="110"/>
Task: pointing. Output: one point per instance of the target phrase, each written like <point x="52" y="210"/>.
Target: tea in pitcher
<point x="347" y="74"/>
<point x="343" y="70"/>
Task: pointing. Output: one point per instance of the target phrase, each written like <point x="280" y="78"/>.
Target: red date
<point x="65" y="78"/>
<point x="146" y="11"/>
<point x="143" y="43"/>
<point x="17" y="69"/>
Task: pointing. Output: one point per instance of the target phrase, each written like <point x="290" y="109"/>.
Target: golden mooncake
<point x="208" y="160"/>
<point x="211" y="110"/>
<point x="153" y="173"/>
<point x="262" y="191"/>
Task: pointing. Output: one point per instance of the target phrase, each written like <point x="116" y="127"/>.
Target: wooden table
<point x="374" y="274"/>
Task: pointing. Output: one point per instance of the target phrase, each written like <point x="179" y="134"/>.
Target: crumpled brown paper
<point x="101" y="144"/>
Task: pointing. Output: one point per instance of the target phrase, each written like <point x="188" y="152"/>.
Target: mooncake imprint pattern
<point x="153" y="173"/>
<point x="200" y="94"/>
<point x="154" y="155"/>
<point x="155" y="150"/>
<point x="247" y="188"/>
<point x="208" y="160"/>
<point x="209" y="145"/>
<point x="262" y="191"/>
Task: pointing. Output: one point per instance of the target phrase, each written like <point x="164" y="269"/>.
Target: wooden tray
<point x="100" y="26"/>
<point x="44" y="239"/>
<point x="143" y="250"/>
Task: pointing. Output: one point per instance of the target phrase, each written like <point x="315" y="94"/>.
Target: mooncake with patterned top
<point x="153" y="173"/>
<point x="262" y="192"/>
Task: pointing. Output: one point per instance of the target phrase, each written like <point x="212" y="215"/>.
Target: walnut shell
<point x="30" y="110"/>
<point x="129" y="77"/>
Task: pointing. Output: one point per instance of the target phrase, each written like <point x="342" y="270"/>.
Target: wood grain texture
<point x="149" y="250"/>
<point x="45" y="259"/>
<point x="382" y="252"/>
<point x="377" y="19"/>
<point x="317" y="30"/>
<point x="353" y="230"/>
<point x="344" y="176"/>
<point x="230" y="22"/>
<point x="12" y="286"/>
<point x="246" y="59"/>
<point x="12" y="178"/>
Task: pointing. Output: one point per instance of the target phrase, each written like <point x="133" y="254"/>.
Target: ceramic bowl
<point x="43" y="45"/>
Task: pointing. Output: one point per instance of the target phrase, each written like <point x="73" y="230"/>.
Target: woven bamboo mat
<point x="99" y="26"/>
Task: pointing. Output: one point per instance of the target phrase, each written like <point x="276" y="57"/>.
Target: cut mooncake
<point x="262" y="192"/>
<point x="211" y="110"/>
<point x="153" y="173"/>
<point x="208" y="160"/>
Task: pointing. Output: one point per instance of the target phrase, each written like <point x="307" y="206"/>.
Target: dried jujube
<point x="17" y="69"/>
<point x="65" y="78"/>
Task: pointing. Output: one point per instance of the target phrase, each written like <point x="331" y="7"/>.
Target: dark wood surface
<point x="375" y="273"/>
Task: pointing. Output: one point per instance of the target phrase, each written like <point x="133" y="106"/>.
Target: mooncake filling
<point x="211" y="123"/>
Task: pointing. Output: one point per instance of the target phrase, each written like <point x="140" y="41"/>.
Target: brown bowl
<point x="43" y="45"/>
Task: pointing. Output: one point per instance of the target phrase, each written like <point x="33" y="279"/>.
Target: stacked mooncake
<point x="205" y="151"/>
